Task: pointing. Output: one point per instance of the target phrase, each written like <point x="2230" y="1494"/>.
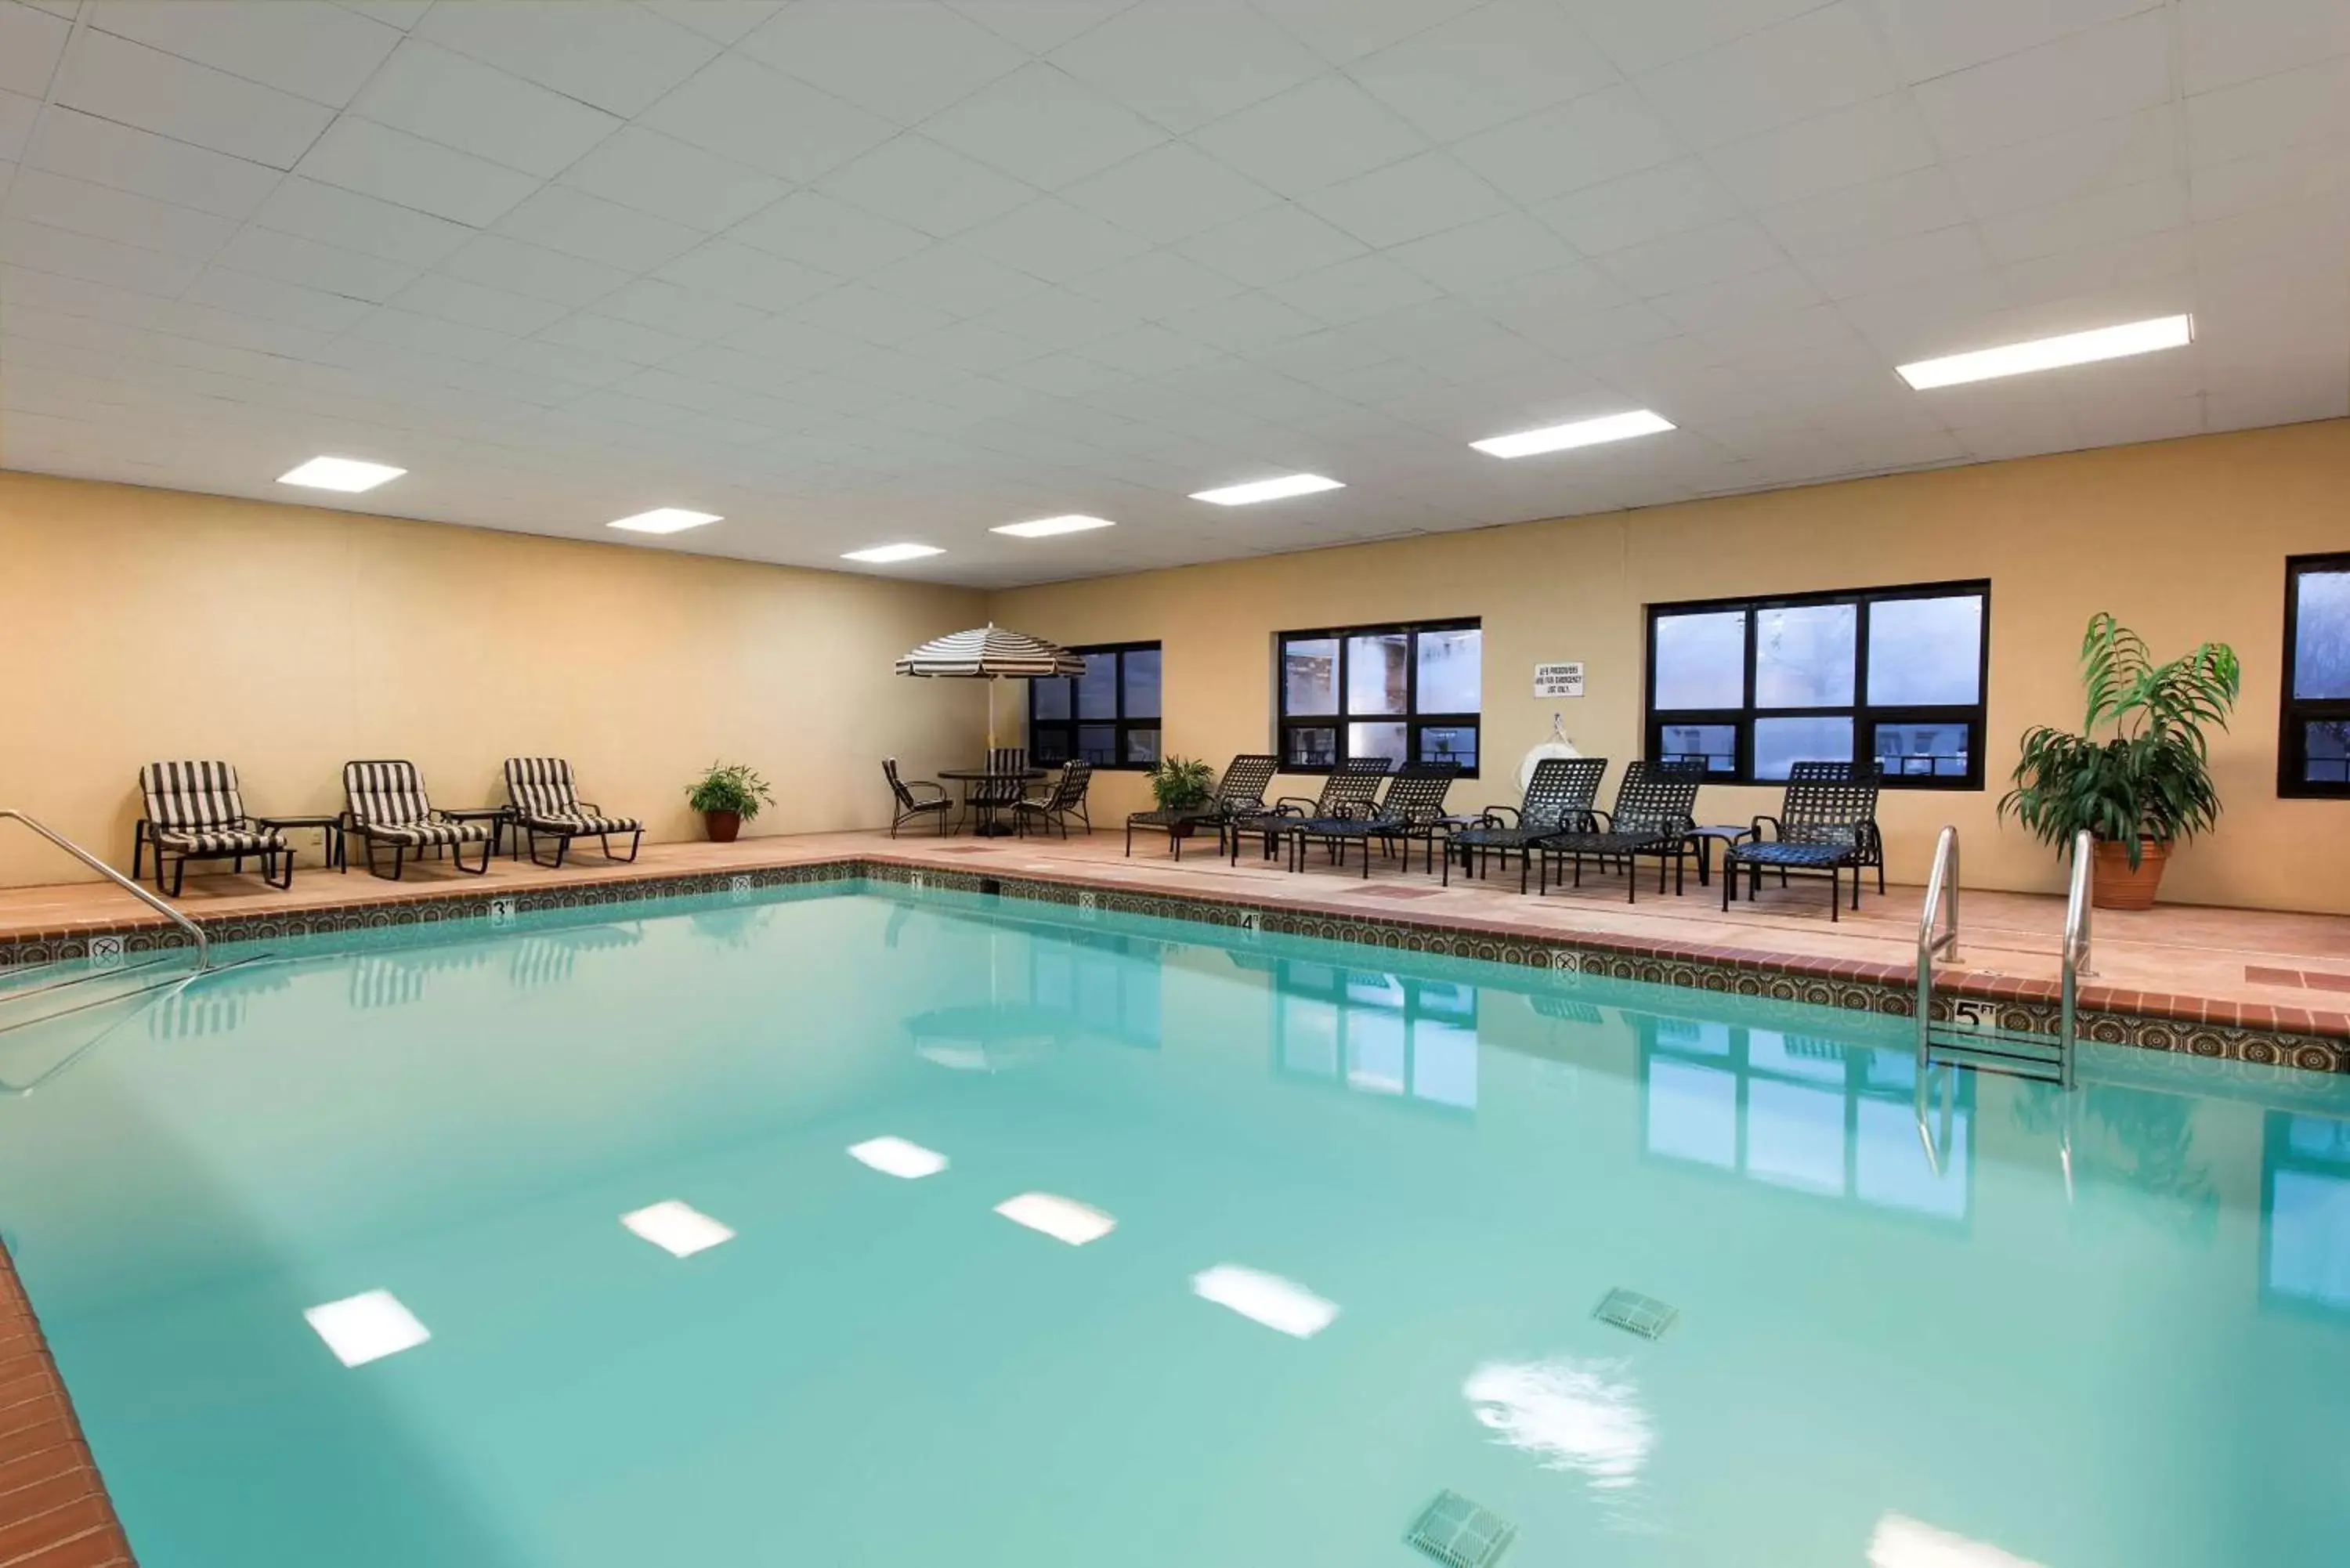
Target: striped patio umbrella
<point x="990" y="653"/>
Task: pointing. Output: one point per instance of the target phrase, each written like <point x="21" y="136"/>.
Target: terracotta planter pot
<point x="723" y="826"/>
<point x="2113" y="886"/>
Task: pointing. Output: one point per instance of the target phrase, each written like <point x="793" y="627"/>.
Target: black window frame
<point x="1414" y="722"/>
<point x="1124" y="725"/>
<point x="1865" y="715"/>
<point x="2293" y="714"/>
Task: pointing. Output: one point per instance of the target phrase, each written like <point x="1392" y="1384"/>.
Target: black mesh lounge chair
<point x="195" y="811"/>
<point x="1063" y="800"/>
<point x="1652" y="816"/>
<point x="914" y="799"/>
<point x="1239" y="791"/>
<point x="1413" y="807"/>
<point x="1349" y="791"/>
<point x="1826" y="822"/>
<point x="546" y="805"/>
<point x="388" y="805"/>
<point x="1558" y="799"/>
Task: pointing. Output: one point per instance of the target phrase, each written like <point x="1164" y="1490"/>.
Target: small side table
<point x="497" y="817"/>
<point x="1705" y="838"/>
<point x="331" y="830"/>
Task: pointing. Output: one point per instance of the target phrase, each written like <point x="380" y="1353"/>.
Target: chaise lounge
<point x="1826" y="822"/>
<point x="1412" y="808"/>
<point x="1349" y="791"/>
<point x="1653" y="814"/>
<point x="196" y="812"/>
<point x="1557" y="799"/>
<point x="1241" y="792"/>
<point x="546" y="805"/>
<point x="387" y="805"/>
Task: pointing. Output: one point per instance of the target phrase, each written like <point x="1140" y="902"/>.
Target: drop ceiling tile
<point x="116" y="80"/>
<point x="654" y="173"/>
<point x="1643" y="35"/>
<point x="1597" y="137"/>
<point x="2115" y="69"/>
<point x="313" y="50"/>
<point x="613" y="339"/>
<point x="742" y="109"/>
<point x="377" y="160"/>
<point x="1042" y="126"/>
<point x="428" y="334"/>
<point x="902" y="59"/>
<point x="2311" y="104"/>
<point x="1916" y="258"/>
<point x="1491" y="250"/>
<point x="2124" y="150"/>
<point x="1168" y="193"/>
<point x="720" y="21"/>
<point x="751" y="278"/>
<point x="1498" y="63"/>
<point x="460" y="102"/>
<point x="1052" y="240"/>
<point x="907" y="375"/>
<point x="1871" y="139"/>
<point x="1066" y="376"/>
<point x="1921" y="321"/>
<point x="1364" y="285"/>
<point x="352" y="222"/>
<point x="41" y="197"/>
<point x="17" y="113"/>
<point x="926" y="186"/>
<point x="500" y="263"/>
<point x="1184" y="66"/>
<point x="1684" y="260"/>
<point x="1671" y="199"/>
<point x="1270" y="246"/>
<point x="621" y="64"/>
<point x="1039" y="26"/>
<point x="472" y="305"/>
<point x="954" y="279"/>
<point x="871" y="316"/>
<point x="1882" y="210"/>
<point x="125" y="159"/>
<point x="1822" y="60"/>
<point x="828" y="235"/>
<point x="274" y="300"/>
<point x="46" y="249"/>
<point x="969" y="346"/>
<point x="2123" y="213"/>
<point x="1148" y="351"/>
<point x="1327" y="130"/>
<point x="1931" y="39"/>
<point x="1716" y="307"/>
<point x="2223" y="42"/>
<point x="1406" y="201"/>
<point x="1344" y="30"/>
<point x="2163" y="261"/>
<point x="2295" y="174"/>
<point x="1056" y="320"/>
<point x="267" y="253"/>
<point x="1575" y="289"/>
<point x="1242" y="322"/>
<point x="31" y="44"/>
<point x="593" y="229"/>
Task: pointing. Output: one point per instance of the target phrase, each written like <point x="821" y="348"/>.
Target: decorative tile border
<point x="2218" y="1031"/>
<point x="54" y="1511"/>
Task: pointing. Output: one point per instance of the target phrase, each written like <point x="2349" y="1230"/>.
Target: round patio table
<point x="989" y="825"/>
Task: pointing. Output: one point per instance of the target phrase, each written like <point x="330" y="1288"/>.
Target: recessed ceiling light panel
<point x="1280" y="488"/>
<point x="2051" y="353"/>
<point x="1581" y="432"/>
<point x="882" y="555"/>
<point x="1046" y="527"/>
<point x="665" y="520"/>
<point x="345" y="473"/>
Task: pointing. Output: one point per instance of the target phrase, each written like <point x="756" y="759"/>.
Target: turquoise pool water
<point x="1343" y="1220"/>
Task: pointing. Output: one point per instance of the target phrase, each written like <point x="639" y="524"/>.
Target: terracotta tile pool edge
<point x="53" y="1508"/>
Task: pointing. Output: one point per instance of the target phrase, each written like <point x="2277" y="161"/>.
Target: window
<point x="1109" y="715"/>
<point x="1750" y="687"/>
<point x="1378" y="1033"/>
<point x="1409" y="693"/>
<point x="2313" y="751"/>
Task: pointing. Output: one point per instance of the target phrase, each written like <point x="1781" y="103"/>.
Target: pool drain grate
<point x="1459" y="1532"/>
<point x="1635" y="1313"/>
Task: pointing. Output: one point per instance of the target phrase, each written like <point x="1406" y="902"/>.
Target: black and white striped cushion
<point x="202" y="841"/>
<point x="430" y="831"/>
<point x="542" y="788"/>
<point x="584" y="822"/>
<point x="191" y="795"/>
<point x="387" y="796"/>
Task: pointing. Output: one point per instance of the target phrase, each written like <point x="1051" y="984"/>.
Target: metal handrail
<point x="2077" y="947"/>
<point x="1941" y="902"/>
<point x="195" y="933"/>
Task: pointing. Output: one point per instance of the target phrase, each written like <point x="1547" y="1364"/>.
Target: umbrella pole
<point x="991" y="717"/>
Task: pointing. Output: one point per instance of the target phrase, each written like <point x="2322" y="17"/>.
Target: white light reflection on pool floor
<point x="1583" y="1417"/>
<point x="678" y="1229"/>
<point x="1063" y="1219"/>
<point x="1268" y="1299"/>
<point x="896" y="1157"/>
<point x="1904" y="1543"/>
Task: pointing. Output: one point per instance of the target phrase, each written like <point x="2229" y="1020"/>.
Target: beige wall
<point x="2184" y="540"/>
<point x="141" y="624"/>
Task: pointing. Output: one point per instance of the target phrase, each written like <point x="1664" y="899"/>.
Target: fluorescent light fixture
<point x="1268" y="1299"/>
<point x="1280" y="488"/>
<point x="1046" y="527"/>
<point x="364" y="1328"/>
<point x="677" y="1228"/>
<point x="895" y="1156"/>
<point x="1063" y="1219"/>
<point x="882" y="555"/>
<point x="1581" y="432"/>
<point x="2051" y="353"/>
<point x="664" y="520"/>
<point x="345" y="473"/>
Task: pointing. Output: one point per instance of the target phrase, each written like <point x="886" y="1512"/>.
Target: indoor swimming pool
<point x="854" y="1226"/>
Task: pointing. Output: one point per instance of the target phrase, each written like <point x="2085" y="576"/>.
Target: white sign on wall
<point x="1559" y="680"/>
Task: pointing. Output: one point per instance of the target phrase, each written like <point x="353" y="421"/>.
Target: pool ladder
<point x="1970" y="1036"/>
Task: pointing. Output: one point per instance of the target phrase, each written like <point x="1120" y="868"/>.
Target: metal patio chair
<point x="1557" y="799"/>
<point x="388" y="805"/>
<point x="1239" y="792"/>
<point x="1412" y="808"/>
<point x="1826" y="823"/>
<point x="1065" y="798"/>
<point x="546" y="805"/>
<point x="196" y="812"/>
<point x="1349" y="790"/>
<point x="1654" y="811"/>
<point x="908" y="804"/>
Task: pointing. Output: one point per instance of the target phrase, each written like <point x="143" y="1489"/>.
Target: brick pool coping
<point x="54" y="1511"/>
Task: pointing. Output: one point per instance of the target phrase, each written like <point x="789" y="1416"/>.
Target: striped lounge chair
<point x="388" y="807"/>
<point x="195" y="811"/>
<point x="547" y="806"/>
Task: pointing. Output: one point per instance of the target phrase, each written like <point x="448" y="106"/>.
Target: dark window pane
<point x="1926" y="652"/>
<point x="1780" y="742"/>
<point x="1377" y="676"/>
<point x="1376" y="741"/>
<point x="1804" y="656"/>
<point x="1049" y="747"/>
<point x="1455" y="743"/>
<point x="1142" y="683"/>
<point x="1309" y="676"/>
<point x="1097" y="687"/>
<point x="1052" y="698"/>
<point x="1452" y="671"/>
<point x="1715" y="745"/>
<point x="1142" y="746"/>
<point x="1922" y="751"/>
<point x="1310" y="746"/>
<point x="2321" y="647"/>
<point x="1701" y="660"/>
<point x="2326" y="751"/>
<point x="1098" y="743"/>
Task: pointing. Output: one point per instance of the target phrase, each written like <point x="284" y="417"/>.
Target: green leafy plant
<point x="2149" y="775"/>
<point x="1178" y="784"/>
<point x="729" y="786"/>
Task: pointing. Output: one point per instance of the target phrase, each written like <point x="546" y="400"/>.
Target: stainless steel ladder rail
<point x="1941" y="911"/>
<point x="195" y="933"/>
<point x="1980" y="1044"/>
<point x="2078" y="905"/>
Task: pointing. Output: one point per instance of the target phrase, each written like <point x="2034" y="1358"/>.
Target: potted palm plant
<point x="728" y="795"/>
<point x="2139" y="777"/>
<point x="1180" y="783"/>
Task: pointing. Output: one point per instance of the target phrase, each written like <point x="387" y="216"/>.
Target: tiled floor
<point x="54" y="1512"/>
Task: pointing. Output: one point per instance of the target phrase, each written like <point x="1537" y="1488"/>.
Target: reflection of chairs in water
<point x="395" y="980"/>
<point x="990" y="1037"/>
<point x="552" y="957"/>
<point x="213" y="1004"/>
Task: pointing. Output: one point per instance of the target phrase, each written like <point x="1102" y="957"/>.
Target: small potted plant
<point x="1180" y="783"/>
<point x="728" y="795"/>
<point x="2147" y="782"/>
